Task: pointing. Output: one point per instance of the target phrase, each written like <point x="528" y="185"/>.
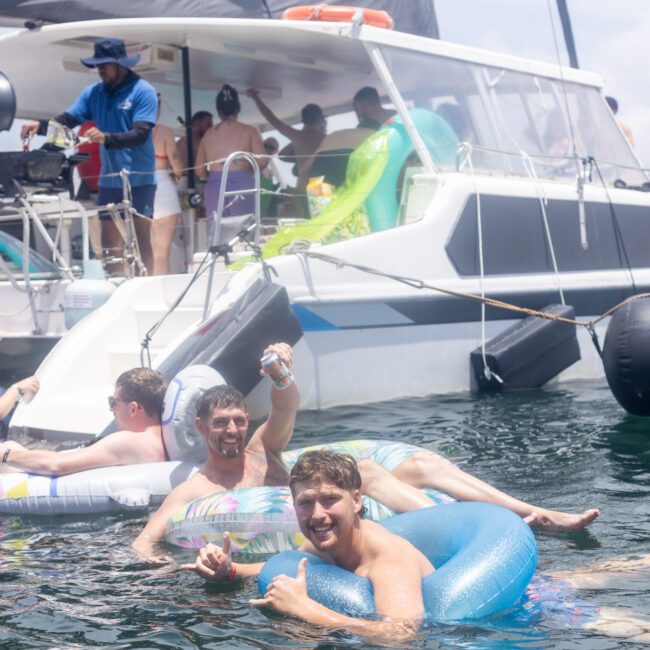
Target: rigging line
<point x="565" y="94"/>
<point x="491" y="302"/>
<point x="487" y="372"/>
<point x="552" y="157"/>
<point x="148" y="337"/>
<point x="617" y="226"/>
<point x="530" y="167"/>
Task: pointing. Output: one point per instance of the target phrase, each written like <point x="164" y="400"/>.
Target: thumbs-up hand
<point x="286" y="595"/>
<point x="213" y="562"/>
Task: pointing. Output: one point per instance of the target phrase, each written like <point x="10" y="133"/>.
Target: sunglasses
<point x="112" y="401"/>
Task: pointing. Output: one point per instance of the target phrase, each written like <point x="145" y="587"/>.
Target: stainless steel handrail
<point x="218" y="214"/>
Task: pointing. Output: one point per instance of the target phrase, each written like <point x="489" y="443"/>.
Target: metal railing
<point x="26" y="211"/>
<point x="215" y="248"/>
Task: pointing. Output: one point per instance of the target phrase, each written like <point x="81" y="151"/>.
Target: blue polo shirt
<point x="115" y="112"/>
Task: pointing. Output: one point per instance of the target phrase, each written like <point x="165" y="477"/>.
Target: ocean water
<point x="73" y="583"/>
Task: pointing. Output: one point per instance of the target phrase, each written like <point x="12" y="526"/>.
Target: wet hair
<point x="320" y="466"/>
<point x="613" y="104"/>
<point x="144" y="386"/>
<point x="228" y="101"/>
<point x="201" y="115"/>
<point x="222" y="396"/>
<point x="367" y="94"/>
<point x="311" y="114"/>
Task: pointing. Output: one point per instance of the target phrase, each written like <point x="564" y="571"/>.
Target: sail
<point x="415" y="16"/>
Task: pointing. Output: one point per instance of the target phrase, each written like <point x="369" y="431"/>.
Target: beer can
<point x="277" y="370"/>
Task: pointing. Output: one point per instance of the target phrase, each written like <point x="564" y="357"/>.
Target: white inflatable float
<point x="126" y="487"/>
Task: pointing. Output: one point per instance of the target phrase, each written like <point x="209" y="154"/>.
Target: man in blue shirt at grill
<point x="123" y="106"/>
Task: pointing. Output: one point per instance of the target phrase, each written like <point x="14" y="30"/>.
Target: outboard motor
<point x="626" y="356"/>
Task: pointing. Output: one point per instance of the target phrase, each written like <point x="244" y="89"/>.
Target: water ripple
<point x="73" y="583"/>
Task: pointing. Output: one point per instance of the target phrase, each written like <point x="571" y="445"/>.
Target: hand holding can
<point x="277" y="370"/>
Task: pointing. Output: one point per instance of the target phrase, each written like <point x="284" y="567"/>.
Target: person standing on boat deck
<point x="201" y="124"/>
<point x="123" y="107"/>
<point x="370" y="113"/>
<point x="625" y="127"/>
<point x="218" y="143"/>
<point x="326" y="491"/>
<point x="137" y="406"/>
<point x="304" y="142"/>
<point x="166" y="206"/>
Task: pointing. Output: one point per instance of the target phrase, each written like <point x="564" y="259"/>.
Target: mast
<point x="568" y="33"/>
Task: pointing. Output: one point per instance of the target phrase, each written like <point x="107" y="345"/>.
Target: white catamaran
<point x="499" y="176"/>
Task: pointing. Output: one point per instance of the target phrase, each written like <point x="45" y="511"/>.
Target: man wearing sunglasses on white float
<point x="136" y="404"/>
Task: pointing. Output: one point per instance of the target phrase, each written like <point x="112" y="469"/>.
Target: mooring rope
<point x="490" y="302"/>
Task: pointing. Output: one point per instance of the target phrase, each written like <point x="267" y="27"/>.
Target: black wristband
<point x="5" y="456"/>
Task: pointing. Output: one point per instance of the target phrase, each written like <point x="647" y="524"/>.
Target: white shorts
<point x="166" y="201"/>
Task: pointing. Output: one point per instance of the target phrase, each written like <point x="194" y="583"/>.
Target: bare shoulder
<point x="136" y="447"/>
<point x="117" y="439"/>
<point x="164" y="131"/>
<point x="390" y="550"/>
<point x="198" y="485"/>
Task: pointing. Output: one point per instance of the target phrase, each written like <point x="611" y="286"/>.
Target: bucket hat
<point x="110" y="50"/>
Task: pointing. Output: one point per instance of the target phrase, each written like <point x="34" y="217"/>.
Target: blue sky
<point x="611" y="39"/>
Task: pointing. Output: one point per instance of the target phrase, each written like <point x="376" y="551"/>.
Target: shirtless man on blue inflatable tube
<point x="326" y="491"/>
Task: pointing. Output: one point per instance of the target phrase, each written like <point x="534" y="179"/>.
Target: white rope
<point x="466" y="148"/>
<point x="543" y="202"/>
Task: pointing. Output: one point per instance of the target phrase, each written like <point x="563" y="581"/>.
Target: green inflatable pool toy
<point x="367" y="201"/>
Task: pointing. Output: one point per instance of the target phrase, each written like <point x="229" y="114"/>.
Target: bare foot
<point x="554" y="520"/>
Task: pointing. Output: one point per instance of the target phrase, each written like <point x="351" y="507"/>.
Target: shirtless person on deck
<point x="326" y="490"/>
<point x="137" y="406"/>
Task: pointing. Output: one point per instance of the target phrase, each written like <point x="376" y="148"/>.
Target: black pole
<point x="187" y="95"/>
<point x="568" y="33"/>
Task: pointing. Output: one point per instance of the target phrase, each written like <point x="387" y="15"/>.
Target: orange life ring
<point x="340" y="13"/>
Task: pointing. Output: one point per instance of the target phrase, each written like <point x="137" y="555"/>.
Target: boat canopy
<point x="414" y="16"/>
<point x="505" y="107"/>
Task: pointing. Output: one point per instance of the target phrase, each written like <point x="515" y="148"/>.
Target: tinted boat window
<point x="514" y="240"/>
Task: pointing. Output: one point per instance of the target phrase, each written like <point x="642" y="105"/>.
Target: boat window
<point x="552" y="121"/>
<point x="514" y="238"/>
<point x="447" y="90"/>
<point x="517" y="123"/>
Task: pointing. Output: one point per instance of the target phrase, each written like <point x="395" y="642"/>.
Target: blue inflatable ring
<point x="484" y="556"/>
